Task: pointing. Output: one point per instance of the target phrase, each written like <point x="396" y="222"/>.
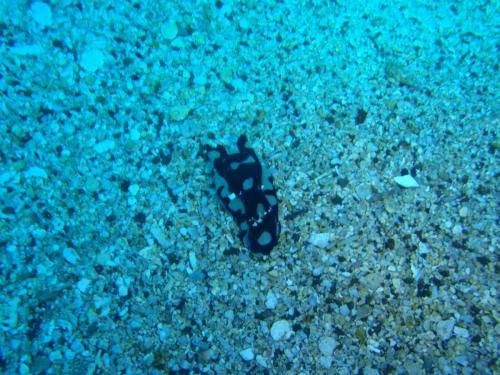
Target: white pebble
<point x="70" y="255"/>
<point x="271" y="300"/>
<point x="247" y="354"/>
<point x="406" y="181"/>
<point x="281" y="329"/>
<point x="320" y="240"/>
<point x="92" y="60"/>
<point x="327" y="345"/>
<point x="104" y="146"/>
<point x="42" y="14"/>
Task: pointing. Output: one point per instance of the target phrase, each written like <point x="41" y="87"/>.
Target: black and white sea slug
<point x="246" y="190"/>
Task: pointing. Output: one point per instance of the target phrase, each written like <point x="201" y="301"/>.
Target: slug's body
<point x="246" y="190"/>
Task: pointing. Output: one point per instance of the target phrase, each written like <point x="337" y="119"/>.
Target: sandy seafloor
<point x="116" y="256"/>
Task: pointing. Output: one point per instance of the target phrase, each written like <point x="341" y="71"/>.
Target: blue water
<point x="378" y="123"/>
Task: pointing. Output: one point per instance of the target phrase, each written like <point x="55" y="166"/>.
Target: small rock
<point x="135" y="323"/>
<point x="69" y="354"/>
<point x="24" y="369"/>
<point x="135" y="135"/>
<point x="244" y="24"/>
<point x="92" y="60"/>
<point x="70" y="255"/>
<point x="40" y="364"/>
<point x="226" y="74"/>
<point x="327" y="345"/>
<point x="36" y="172"/>
<point x="271" y="300"/>
<point x="281" y="329"/>
<point x="364" y="191"/>
<point x="83" y="285"/>
<point x="104" y="146"/>
<point x="370" y="371"/>
<point x="461" y="332"/>
<point x="406" y="181"/>
<point x="463" y="212"/>
<point x="261" y="361"/>
<point x="133" y="189"/>
<point x="159" y="235"/>
<point x="55" y="356"/>
<point x="247" y="354"/>
<point x="363" y="312"/>
<point x="372" y="281"/>
<point x="398" y="72"/>
<point x="326" y="361"/>
<point x="92" y="184"/>
<point x="317" y="271"/>
<point x="26" y="49"/>
<point x="344" y="310"/>
<point x="192" y="260"/>
<point x="180" y="43"/>
<point x="229" y="315"/>
<point x="179" y="112"/>
<point x="42" y="14"/>
<point x="444" y="328"/>
<point x="77" y="346"/>
<point x="169" y="30"/>
<point x="9" y="314"/>
<point x="321" y="240"/>
<point x="122" y="285"/>
<point x="413" y="368"/>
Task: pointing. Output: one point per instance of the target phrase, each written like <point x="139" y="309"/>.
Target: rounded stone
<point x="247" y="354"/>
<point x="92" y="60"/>
<point x="135" y="135"/>
<point x="281" y="329"/>
<point x="179" y="112"/>
<point x="133" y="189"/>
<point x="271" y="300"/>
<point x="169" y="30"/>
<point x="42" y="14"/>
